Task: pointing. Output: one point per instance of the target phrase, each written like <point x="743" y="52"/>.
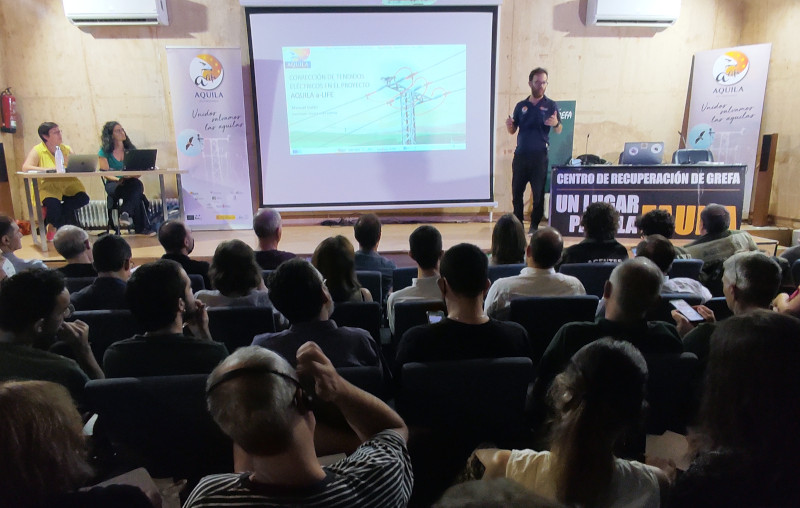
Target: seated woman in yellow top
<point x="129" y="189"/>
<point x="63" y="196"/>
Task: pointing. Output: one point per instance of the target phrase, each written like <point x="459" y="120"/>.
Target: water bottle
<point x="59" y="160"/>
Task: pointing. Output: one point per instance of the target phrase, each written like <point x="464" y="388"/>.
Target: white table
<point x="31" y="179"/>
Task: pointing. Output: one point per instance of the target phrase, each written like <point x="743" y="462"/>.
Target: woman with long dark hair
<point x="114" y="143"/>
<point x="508" y="241"/>
<point x="334" y="257"/>
<point x="598" y="397"/>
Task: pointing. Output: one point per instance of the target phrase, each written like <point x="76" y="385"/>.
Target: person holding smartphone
<point x="750" y="280"/>
<point x="533" y="117"/>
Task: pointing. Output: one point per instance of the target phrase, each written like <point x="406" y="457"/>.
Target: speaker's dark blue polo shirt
<point x="534" y="135"/>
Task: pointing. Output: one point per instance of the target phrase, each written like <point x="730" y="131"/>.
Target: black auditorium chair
<point x="107" y="327"/>
<point x="689" y="268"/>
<point x="403" y="277"/>
<point x="662" y="310"/>
<point x="160" y="423"/>
<point x="265" y="274"/>
<point x="501" y="271"/>
<point x="364" y="315"/>
<point x="410" y="313"/>
<point x="372" y="281"/>
<point x="236" y="326"/>
<point x="543" y="316"/>
<point x="796" y="272"/>
<point x="592" y="275"/>
<point x="197" y="282"/>
<point x="75" y="284"/>
<point x="672" y="392"/>
<point x="719" y="306"/>
<point x="369" y="379"/>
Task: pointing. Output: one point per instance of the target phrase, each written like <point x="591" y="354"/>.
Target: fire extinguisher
<point x="8" y="107"/>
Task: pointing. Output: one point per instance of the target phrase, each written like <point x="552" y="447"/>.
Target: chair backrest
<point x="161" y="423"/>
<point x="543" y="316"/>
<point x="719" y="305"/>
<point x="372" y="281"/>
<point x="236" y="326"/>
<point x="410" y="313"/>
<point x="662" y="310"/>
<point x="364" y="315"/>
<point x="197" y="282"/>
<point x="479" y="399"/>
<point x="369" y="379"/>
<point x="500" y="271"/>
<point x="796" y="272"/>
<point x="107" y="327"/>
<point x="265" y="274"/>
<point x="672" y="392"/>
<point x="593" y="276"/>
<point x="75" y="284"/>
<point x="689" y="268"/>
<point x="402" y="277"/>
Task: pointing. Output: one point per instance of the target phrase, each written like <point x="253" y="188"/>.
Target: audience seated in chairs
<point x="367" y="231"/>
<point x="748" y="417"/>
<point x="660" y="251"/>
<point x="33" y="306"/>
<point x="256" y="398"/>
<point x="335" y="259"/>
<point x="74" y="246"/>
<point x="508" y="241"/>
<point x="717" y="244"/>
<point x="177" y="240"/>
<point x="600" y="222"/>
<point x="44" y="456"/>
<point x="268" y="230"/>
<point x="631" y="291"/>
<point x="750" y="281"/>
<point x="112" y="259"/>
<point x="299" y="293"/>
<point x="10" y="241"/>
<point x="599" y="396"/>
<point x="425" y="248"/>
<point x="160" y="297"/>
<point x="539" y="278"/>
<point x="467" y="332"/>
<point x="659" y="222"/>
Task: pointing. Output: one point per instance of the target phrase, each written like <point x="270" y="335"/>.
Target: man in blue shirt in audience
<point x="367" y="231"/>
<point x="112" y="259"/>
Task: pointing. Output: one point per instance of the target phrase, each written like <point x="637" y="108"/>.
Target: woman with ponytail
<point x="598" y="397"/>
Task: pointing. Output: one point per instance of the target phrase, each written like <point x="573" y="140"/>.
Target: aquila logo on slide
<point x="206" y="72"/>
<point x="730" y="68"/>
<point x="296" y="58"/>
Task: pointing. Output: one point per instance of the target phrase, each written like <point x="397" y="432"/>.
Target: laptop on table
<point x="140" y="160"/>
<point x="81" y="163"/>
<point x="648" y="153"/>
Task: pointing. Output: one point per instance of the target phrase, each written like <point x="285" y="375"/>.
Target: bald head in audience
<point x="545" y="248"/>
<point x="267" y="226"/>
<point x="633" y="288"/>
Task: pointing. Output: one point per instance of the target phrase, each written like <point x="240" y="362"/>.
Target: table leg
<point x="164" y="212"/>
<point x="40" y="216"/>
<point x="181" y="212"/>
<point x="31" y="217"/>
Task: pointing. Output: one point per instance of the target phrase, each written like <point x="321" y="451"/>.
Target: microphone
<point x="683" y="139"/>
<point x="585" y="160"/>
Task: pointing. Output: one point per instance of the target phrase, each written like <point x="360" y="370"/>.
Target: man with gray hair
<point x="258" y="400"/>
<point x="717" y="244"/>
<point x="74" y="246"/>
<point x="634" y="287"/>
<point x="750" y="280"/>
<point x="268" y="228"/>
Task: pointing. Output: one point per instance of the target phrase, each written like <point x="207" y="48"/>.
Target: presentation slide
<point x="373" y="106"/>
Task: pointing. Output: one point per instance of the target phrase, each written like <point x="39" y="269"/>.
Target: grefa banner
<point x="727" y="99"/>
<point x="209" y="121"/>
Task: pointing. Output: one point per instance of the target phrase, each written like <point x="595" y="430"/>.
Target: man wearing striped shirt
<point x="256" y="398"/>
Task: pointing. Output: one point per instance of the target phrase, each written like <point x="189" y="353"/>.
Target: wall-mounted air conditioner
<point x="655" y="13"/>
<point x="117" y="12"/>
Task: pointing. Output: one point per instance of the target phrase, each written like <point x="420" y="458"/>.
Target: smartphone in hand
<point x="434" y="316"/>
<point x="687" y="311"/>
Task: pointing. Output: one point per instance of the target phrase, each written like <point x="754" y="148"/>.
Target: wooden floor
<point x="302" y="240"/>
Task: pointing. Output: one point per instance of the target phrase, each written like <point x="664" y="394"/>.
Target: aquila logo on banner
<point x="296" y="58"/>
<point x="206" y="73"/>
<point x="729" y="69"/>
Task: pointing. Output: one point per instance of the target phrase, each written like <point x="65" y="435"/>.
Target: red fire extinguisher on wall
<point x="8" y="108"/>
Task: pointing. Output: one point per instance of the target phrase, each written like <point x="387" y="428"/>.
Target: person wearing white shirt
<point x="539" y="278"/>
<point x="425" y="248"/>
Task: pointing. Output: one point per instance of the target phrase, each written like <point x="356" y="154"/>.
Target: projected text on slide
<point x="353" y="99"/>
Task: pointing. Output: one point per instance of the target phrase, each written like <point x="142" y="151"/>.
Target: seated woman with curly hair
<point x="600" y="222"/>
<point x="236" y="278"/>
<point x="43" y="457"/>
